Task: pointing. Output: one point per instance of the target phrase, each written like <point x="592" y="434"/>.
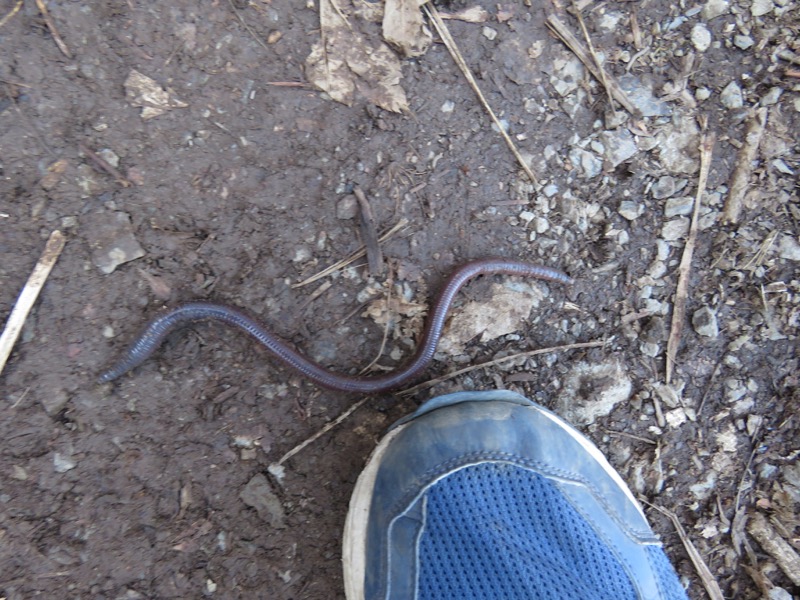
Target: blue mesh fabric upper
<point x="495" y="530"/>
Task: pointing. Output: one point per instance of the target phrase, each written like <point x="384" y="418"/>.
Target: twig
<point x="712" y="587"/>
<point x="774" y="545"/>
<point x="388" y="326"/>
<point x="601" y="71"/>
<point x="246" y="26"/>
<point x="53" y="30"/>
<point x="565" y="35"/>
<point x="104" y="165"/>
<point x="684" y="269"/>
<point x="498" y="361"/>
<point x="29" y="293"/>
<point x="448" y="40"/>
<point x="360" y="253"/>
<point x="297" y="84"/>
<point x="740" y="179"/>
<point x="369" y="233"/>
<point x="11" y="13"/>
<point x="325" y="429"/>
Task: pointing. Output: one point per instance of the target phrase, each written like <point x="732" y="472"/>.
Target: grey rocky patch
<point x="667" y="186"/>
<point x="586" y="162"/>
<point x="110" y="235"/>
<point x="592" y="390"/>
<point x="619" y="146"/>
<point x="678" y="206"/>
<point x="701" y="37"/>
<point x="258" y="494"/>
<point x="704" y="321"/>
<point x="789" y="248"/>
<point x="731" y="97"/>
<point x="715" y="8"/>
<point x="641" y="96"/>
<point x="678" y="143"/>
<point x="630" y="210"/>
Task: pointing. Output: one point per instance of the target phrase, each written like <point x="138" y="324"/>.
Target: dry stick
<point x="774" y="545"/>
<point x="360" y="253"/>
<point x="498" y="361"/>
<point x="740" y="179"/>
<point x="389" y="285"/>
<point x="246" y="26"/>
<point x="52" y="27"/>
<point x="565" y="35"/>
<point x="104" y="165"/>
<point x="448" y="40"/>
<point x="11" y="13"/>
<point x="711" y="585"/>
<point x="325" y="429"/>
<point x="595" y="58"/>
<point x="29" y="293"/>
<point x="681" y="291"/>
<point x="369" y="233"/>
<point x="330" y="425"/>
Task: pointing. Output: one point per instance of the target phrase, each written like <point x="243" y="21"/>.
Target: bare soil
<point x="134" y="490"/>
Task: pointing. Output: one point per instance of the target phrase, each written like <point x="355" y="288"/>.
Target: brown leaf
<point x="344" y="63"/>
<point x="404" y="28"/>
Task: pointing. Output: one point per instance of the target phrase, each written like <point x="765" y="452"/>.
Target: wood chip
<point x="369" y="233"/>
<point x="684" y="270"/>
<point x="563" y="33"/>
<point x="30" y="292"/>
<point x="743" y="171"/>
<point x="774" y="545"/>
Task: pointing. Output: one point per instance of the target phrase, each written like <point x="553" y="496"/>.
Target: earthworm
<point x="161" y="326"/>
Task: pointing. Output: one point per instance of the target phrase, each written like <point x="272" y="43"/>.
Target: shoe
<point x="486" y="495"/>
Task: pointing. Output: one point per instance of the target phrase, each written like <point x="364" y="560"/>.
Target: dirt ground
<point x="158" y="486"/>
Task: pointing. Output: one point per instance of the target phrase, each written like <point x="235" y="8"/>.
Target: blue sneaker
<point x="486" y="495"/>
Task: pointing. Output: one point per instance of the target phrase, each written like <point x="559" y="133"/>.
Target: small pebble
<point x="678" y="206"/>
<point x="731" y="97"/>
<point x="759" y="8"/>
<point x="702" y="93"/>
<point x="630" y="210"/>
<point x="701" y="37"/>
<point x="743" y="42"/>
<point x="704" y="322"/>
<point x="489" y="33"/>
<point x="667" y="186"/>
<point x="62" y="463"/>
<point x="448" y="106"/>
<point x="675" y="229"/>
<point x="527" y="216"/>
<point x="772" y="96"/>
<point x="714" y="9"/>
<point x="347" y="207"/>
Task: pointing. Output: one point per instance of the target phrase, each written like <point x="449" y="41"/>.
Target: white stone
<point x="714" y="9"/>
<point x="772" y="96"/>
<point x="704" y="321"/>
<point x="62" y="463"/>
<point x="701" y="37"/>
<point x="489" y="33"/>
<point x="592" y="390"/>
<point x="789" y="248"/>
<point x="630" y="210"/>
<point x="675" y="229"/>
<point x="759" y="8"/>
<point x="702" y="94"/>
<point x="731" y="97"/>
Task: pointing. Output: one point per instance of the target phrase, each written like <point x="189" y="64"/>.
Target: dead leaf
<point x="343" y="63"/>
<point x="143" y="91"/>
<point x="404" y="28"/>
